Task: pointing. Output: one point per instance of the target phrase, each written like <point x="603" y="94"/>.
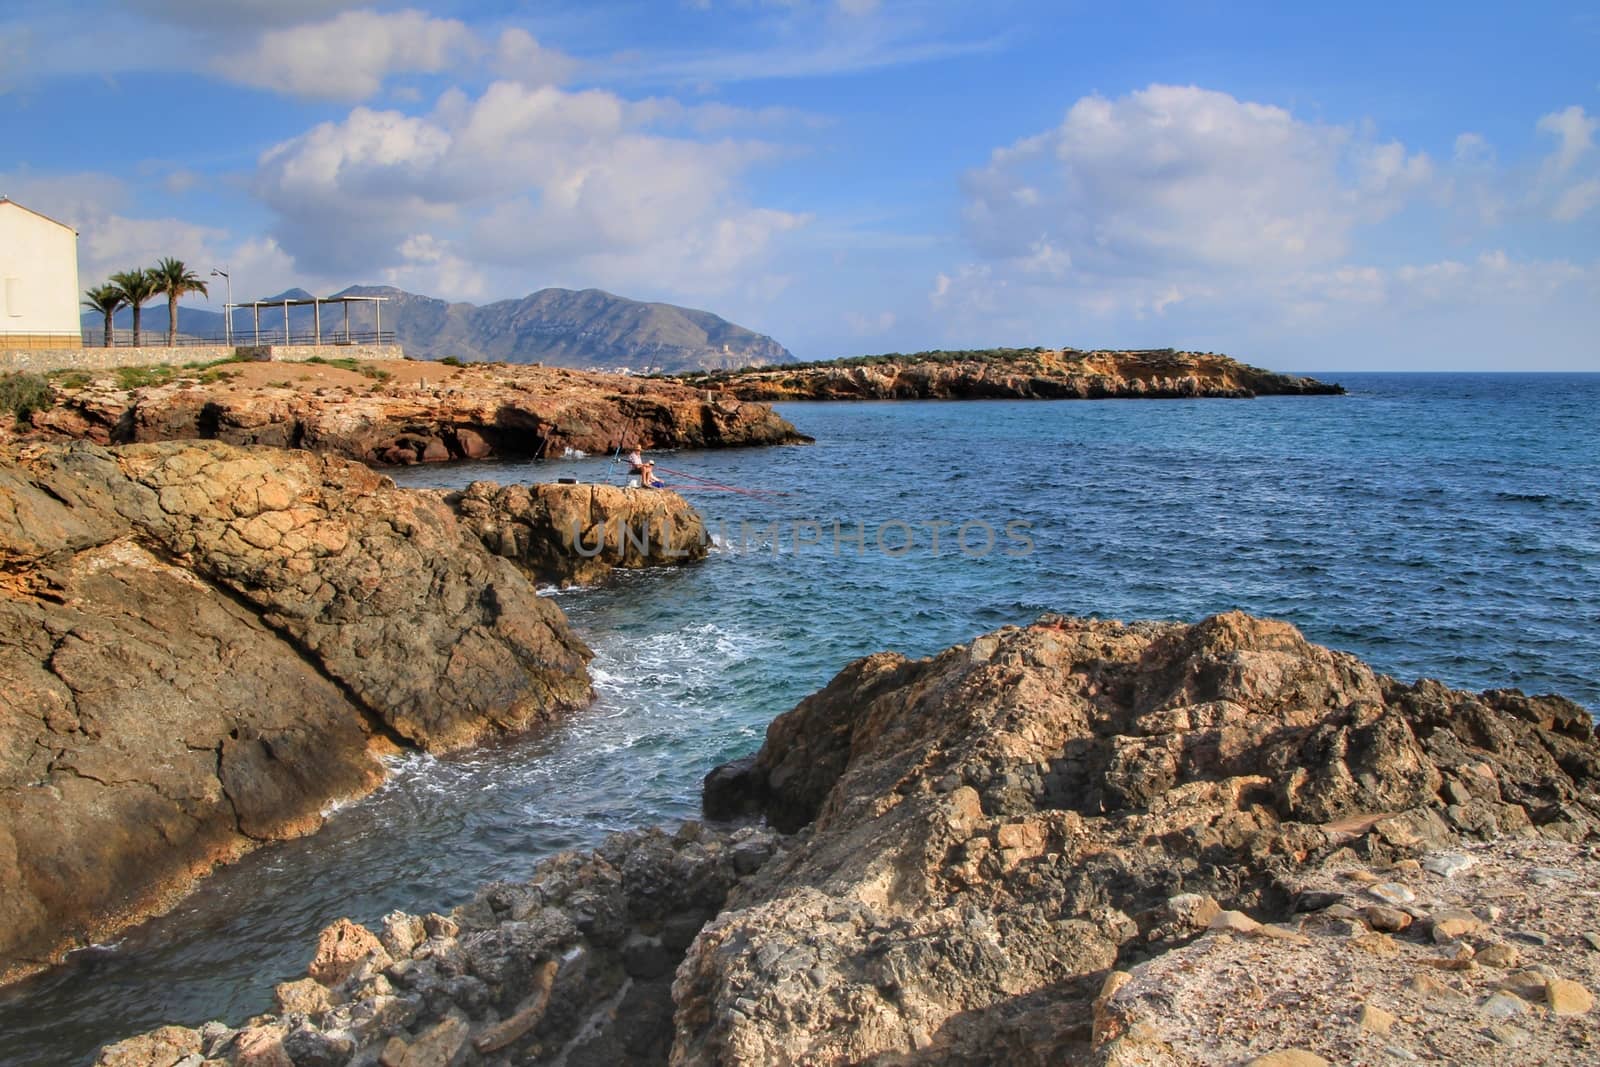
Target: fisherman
<point x="645" y="469"/>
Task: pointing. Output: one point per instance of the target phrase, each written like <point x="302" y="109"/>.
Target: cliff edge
<point x="204" y="645"/>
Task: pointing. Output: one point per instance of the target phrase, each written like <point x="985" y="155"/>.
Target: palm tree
<point x="173" y="277"/>
<point x="108" y="300"/>
<point x="137" y="287"/>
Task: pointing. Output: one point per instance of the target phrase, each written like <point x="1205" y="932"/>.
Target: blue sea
<point x="1435" y="525"/>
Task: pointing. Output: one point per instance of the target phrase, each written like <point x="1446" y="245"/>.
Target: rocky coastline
<point x="398" y="413"/>
<point x="1016" y="374"/>
<point x="154" y="592"/>
<point x="1075" y="841"/>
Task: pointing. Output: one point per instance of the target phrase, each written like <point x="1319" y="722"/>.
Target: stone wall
<point x="27" y="359"/>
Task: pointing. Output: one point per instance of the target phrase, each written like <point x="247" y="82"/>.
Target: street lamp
<point x="227" y="311"/>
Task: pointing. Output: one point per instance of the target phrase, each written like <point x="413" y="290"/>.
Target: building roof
<point x="7" y="200"/>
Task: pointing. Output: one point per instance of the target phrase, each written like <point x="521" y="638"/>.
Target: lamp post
<point x="227" y="312"/>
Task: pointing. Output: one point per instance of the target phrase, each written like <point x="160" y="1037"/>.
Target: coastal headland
<point x="401" y="412"/>
<point x="153" y="595"/>
<point x="1015" y="374"/>
<point x="1078" y="841"/>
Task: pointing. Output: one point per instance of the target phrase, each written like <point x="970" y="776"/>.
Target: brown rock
<point x="159" y="1048"/>
<point x="1428" y="987"/>
<point x="1232" y="922"/>
<point x="567" y="534"/>
<point x="1376" y="944"/>
<point x="437" y="1046"/>
<point x="260" y="1046"/>
<point x="1452" y="923"/>
<point x="1374" y="1020"/>
<point x="1499" y="955"/>
<point x="1566" y="997"/>
<point x="341" y="950"/>
<point x="306" y="996"/>
<point x="1391" y="920"/>
<point x="1289" y="1057"/>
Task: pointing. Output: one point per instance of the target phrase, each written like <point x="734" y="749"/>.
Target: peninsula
<point x="1014" y="374"/>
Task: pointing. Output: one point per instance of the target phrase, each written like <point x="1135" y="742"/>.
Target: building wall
<point x="38" y="276"/>
<point x="80" y="358"/>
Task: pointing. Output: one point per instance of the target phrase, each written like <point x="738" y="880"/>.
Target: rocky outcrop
<point x="420" y="413"/>
<point x="1017" y="374"/>
<point x="202" y="646"/>
<point x="985" y="835"/>
<point x="576" y="534"/>
<point x="979" y="843"/>
<point x="573" y="966"/>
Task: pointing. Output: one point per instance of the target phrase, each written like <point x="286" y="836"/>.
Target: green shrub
<point x="22" y="394"/>
<point x="140" y="377"/>
<point x="451" y="361"/>
<point x="72" y="379"/>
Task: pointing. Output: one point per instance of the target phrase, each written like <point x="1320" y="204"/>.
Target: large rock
<point x="429" y="413"/>
<point x="202" y="645"/>
<point x="978" y="839"/>
<point x="984" y="833"/>
<point x="568" y="534"/>
<point x="1018" y="374"/>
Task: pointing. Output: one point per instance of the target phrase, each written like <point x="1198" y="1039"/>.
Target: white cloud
<point x="1181" y="176"/>
<point x="349" y="56"/>
<point x="1567" y="183"/>
<point x="560" y="187"/>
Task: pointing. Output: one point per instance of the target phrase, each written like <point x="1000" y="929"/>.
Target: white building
<point x="38" y="280"/>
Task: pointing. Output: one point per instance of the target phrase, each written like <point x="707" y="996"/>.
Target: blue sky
<point x="1304" y="186"/>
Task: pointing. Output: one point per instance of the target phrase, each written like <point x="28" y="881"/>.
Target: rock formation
<point x="1016" y="374"/>
<point x="576" y="534"/>
<point x="978" y="844"/>
<point x="201" y="646"/>
<point x="420" y="413"/>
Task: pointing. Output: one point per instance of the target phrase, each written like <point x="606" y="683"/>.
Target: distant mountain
<point x="587" y="328"/>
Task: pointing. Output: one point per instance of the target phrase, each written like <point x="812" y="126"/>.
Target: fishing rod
<point x="707" y="485"/>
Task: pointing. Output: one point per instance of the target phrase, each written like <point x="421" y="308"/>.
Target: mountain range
<point x="585" y="328"/>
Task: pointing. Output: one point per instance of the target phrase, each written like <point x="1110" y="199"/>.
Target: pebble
<point x="1550" y="876"/>
<point x="1458" y="956"/>
<point x="1531" y="937"/>
<point x="1567" y="997"/>
<point x="1448" y="864"/>
<point x="1359" y="876"/>
<point x="1392" y="893"/>
<point x="1401" y="1053"/>
<point x="1593" y="940"/>
<point x="1381" y="918"/>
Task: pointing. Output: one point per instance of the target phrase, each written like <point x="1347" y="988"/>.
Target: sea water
<point x="1439" y="525"/>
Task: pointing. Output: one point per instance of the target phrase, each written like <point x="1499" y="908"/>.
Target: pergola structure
<point x="315" y="304"/>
